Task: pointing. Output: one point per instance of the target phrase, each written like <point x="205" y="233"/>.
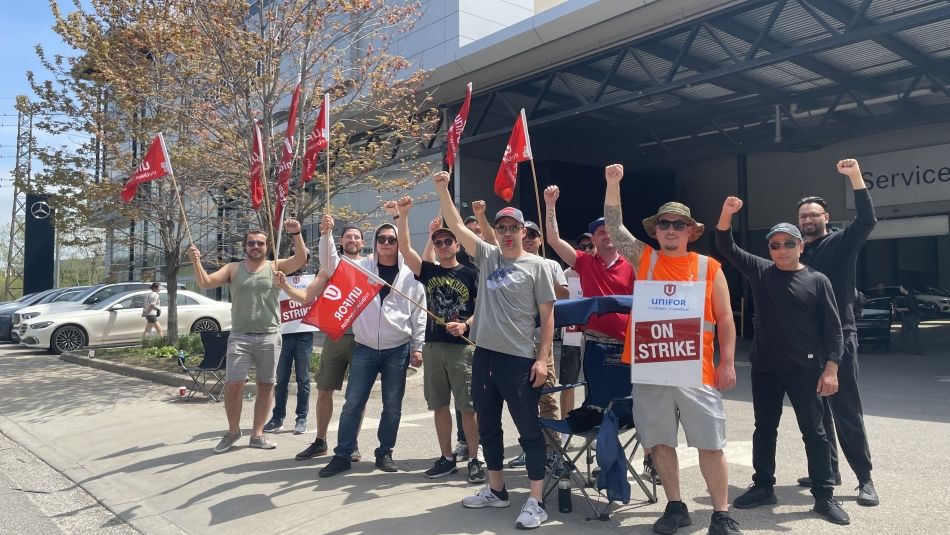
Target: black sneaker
<point x="756" y="495"/>
<point x="518" y="462"/>
<point x="830" y="508"/>
<point x="649" y="470"/>
<point x="806" y="481"/>
<point x="318" y="448"/>
<point x="273" y="426"/>
<point x="555" y="466"/>
<point x="385" y="463"/>
<point x="722" y="524"/>
<point x="674" y="517"/>
<point x="867" y="496"/>
<point x="335" y="466"/>
<point x="442" y="467"/>
<point x="476" y="472"/>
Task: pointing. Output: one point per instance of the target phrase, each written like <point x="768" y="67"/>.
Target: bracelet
<point x="395" y="217"/>
<point x="293" y="233"/>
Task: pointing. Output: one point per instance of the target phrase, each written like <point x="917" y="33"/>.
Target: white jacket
<point x="395" y="320"/>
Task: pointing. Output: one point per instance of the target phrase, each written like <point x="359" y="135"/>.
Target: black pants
<point x="844" y="416"/>
<point x="498" y="378"/>
<point x="768" y="393"/>
<point x="910" y="334"/>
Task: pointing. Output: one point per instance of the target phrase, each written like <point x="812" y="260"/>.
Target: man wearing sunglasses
<point x="255" y="327"/>
<point x="514" y="288"/>
<point x="796" y="351"/>
<point x="451" y="289"/>
<point x="659" y="409"/>
<point x="389" y="334"/>
<point x="835" y="253"/>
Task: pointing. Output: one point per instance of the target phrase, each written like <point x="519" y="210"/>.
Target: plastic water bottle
<point x="564" y="500"/>
<point x="181" y="358"/>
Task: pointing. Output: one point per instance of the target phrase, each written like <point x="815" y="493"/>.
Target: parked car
<point x="7" y="310"/>
<point x="118" y="320"/>
<point x="56" y="295"/>
<point x="874" y="323"/>
<point x="932" y="305"/>
<point x="91" y="296"/>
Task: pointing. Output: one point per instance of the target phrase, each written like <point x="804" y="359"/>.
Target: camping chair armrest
<point x="614" y="400"/>
<point x="553" y="389"/>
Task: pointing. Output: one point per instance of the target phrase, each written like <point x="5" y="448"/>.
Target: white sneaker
<point x="484" y="498"/>
<point x="532" y="515"/>
<point x="300" y="427"/>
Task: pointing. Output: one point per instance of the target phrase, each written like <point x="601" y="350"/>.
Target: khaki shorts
<point x="448" y="373"/>
<point x="658" y="410"/>
<point x="334" y="361"/>
<point x="260" y="349"/>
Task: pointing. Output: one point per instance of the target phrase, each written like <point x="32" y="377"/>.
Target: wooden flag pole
<point x="268" y="218"/>
<point x="537" y="201"/>
<point x="171" y="171"/>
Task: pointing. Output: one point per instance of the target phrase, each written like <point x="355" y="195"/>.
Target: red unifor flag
<point x="318" y="140"/>
<point x="455" y="131"/>
<point x="257" y="168"/>
<point x="348" y="292"/>
<point x="517" y="151"/>
<point x="155" y="165"/>
<point x="286" y="160"/>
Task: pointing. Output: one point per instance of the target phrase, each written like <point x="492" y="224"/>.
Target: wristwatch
<point x="293" y="233"/>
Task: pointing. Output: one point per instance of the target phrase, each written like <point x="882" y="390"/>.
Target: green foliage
<point x="154" y="341"/>
<point x="191" y="344"/>
<point x="314" y="362"/>
<point x="162" y="352"/>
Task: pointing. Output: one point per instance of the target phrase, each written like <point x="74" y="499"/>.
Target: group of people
<point x="478" y="306"/>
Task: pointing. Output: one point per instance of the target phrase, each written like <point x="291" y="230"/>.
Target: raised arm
<point x="428" y="252"/>
<point x="864" y="221"/>
<point x="561" y="247"/>
<point x="214" y="280"/>
<point x="488" y="232"/>
<point x="628" y="246"/>
<point x="747" y="263"/>
<point x="466" y="237"/>
<point x="400" y="210"/>
<point x="326" y="250"/>
<point x="299" y="260"/>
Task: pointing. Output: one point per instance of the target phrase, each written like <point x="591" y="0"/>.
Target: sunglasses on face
<point x="505" y="229"/>
<point x="788" y="244"/>
<point x="532" y="235"/>
<point x="586" y="246"/>
<point x="810" y="215"/>
<point x="256" y="243"/>
<point x="665" y="224"/>
<point x="386" y="240"/>
<point x="448" y="242"/>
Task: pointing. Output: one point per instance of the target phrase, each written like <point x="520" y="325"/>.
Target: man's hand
<point x="732" y="205"/>
<point x="551" y="194"/>
<point x="828" y="382"/>
<point x="326" y="224"/>
<point x="435" y="225"/>
<point x="404" y="204"/>
<point x="441" y="181"/>
<point x="415" y="359"/>
<point x="391" y="208"/>
<point x="280" y="280"/>
<point x="613" y="173"/>
<point x="850" y="168"/>
<point x="539" y="373"/>
<point x="725" y="377"/>
<point x="195" y="254"/>
<point x="478" y="207"/>
<point x="292" y="226"/>
<point x="456" y="328"/>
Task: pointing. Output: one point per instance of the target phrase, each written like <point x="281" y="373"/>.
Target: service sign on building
<point x="906" y="176"/>
<point x="291" y="312"/>
<point x="667" y="344"/>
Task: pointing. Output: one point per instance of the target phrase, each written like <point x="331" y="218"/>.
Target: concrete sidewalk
<point x="148" y="458"/>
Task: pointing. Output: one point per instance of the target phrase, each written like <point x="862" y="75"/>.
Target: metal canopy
<point x="825" y="70"/>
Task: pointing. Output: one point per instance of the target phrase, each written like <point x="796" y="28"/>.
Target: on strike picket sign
<point x="668" y="333"/>
<point x="291" y="312"/>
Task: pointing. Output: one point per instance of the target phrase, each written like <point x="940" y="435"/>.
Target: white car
<point x="118" y="320"/>
<point x="90" y="296"/>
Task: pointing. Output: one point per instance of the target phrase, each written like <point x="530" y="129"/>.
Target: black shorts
<point x="151" y="319"/>
<point x="570" y="365"/>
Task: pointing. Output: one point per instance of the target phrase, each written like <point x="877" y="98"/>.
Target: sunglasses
<point x="531" y="235"/>
<point x="788" y="244"/>
<point x="665" y="224"/>
<point x="448" y="242"/>
<point x="386" y="240"/>
<point x="505" y="229"/>
<point x="256" y="243"/>
<point x="586" y="246"/>
<point x="810" y="215"/>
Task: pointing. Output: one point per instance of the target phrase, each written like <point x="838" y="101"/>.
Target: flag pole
<point x="268" y="218"/>
<point x="376" y="278"/>
<point x="534" y="175"/>
<point x="181" y="205"/>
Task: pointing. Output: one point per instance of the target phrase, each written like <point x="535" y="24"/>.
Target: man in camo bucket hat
<point x="675" y="208"/>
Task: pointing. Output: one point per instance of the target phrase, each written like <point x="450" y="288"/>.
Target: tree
<point x="201" y="71"/>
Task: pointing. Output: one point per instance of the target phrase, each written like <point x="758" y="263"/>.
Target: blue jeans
<point x="368" y="363"/>
<point x="295" y="352"/>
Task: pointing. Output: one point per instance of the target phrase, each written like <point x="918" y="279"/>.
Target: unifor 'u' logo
<point x="669" y="289"/>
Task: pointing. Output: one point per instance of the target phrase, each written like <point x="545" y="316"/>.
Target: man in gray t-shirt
<point x="514" y="288"/>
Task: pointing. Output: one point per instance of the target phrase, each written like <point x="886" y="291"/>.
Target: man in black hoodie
<point x="835" y="253"/>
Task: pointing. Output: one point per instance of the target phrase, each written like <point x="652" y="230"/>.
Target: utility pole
<point x="21" y="174"/>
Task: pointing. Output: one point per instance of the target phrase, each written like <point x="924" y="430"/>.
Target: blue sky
<point x="24" y="24"/>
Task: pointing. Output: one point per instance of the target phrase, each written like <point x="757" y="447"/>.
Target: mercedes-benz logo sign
<point x="40" y="210"/>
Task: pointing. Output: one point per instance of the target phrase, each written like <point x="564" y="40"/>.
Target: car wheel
<point x="205" y="325"/>
<point x="67" y="338"/>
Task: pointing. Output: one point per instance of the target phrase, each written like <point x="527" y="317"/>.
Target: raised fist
<point x="292" y="225"/>
<point x="280" y="280"/>
<point x="195" y="254"/>
<point x="849" y="167"/>
<point x="478" y="207"/>
<point x="404" y="205"/>
<point x="732" y="205"/>
<point x="391" y="209"/>
<point x="441" y="180"/>
<point x="435" y="225"/>
<point x="326" y="224"/>
<point x="613" y="173"/>
<point x="551" y="194"/>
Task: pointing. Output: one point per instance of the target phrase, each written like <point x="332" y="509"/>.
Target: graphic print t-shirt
<point x="450" y="294"/>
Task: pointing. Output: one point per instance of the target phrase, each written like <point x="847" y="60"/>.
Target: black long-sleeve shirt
<point x="796" y="316"/>
<point x="836" y="255"/>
